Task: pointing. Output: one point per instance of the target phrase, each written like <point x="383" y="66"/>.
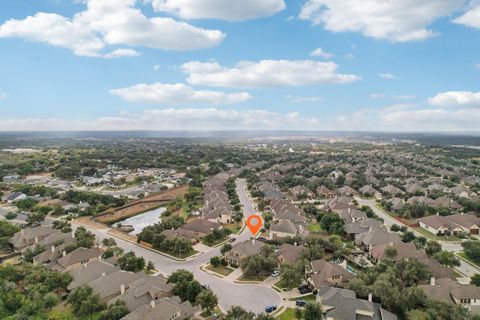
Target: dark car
<point x="270" y="309"/>
<point x="304" y="289"/>
<point x="300" y="303"/>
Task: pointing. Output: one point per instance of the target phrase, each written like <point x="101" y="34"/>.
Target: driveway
<point x="251" y="297"/>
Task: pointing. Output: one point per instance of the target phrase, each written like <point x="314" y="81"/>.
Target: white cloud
<point x="3" y="94"/>
<point x="387" y="76"/>
<point x="303" y="99"/>
<point x="156" y="67"/>
<point x="177" y="93"/>
<point x="471" y="18"/>
<point x="319" y="52"/>
<point x="220" y="9"/>
<point x="376" y="96"/>
<point x="265" y="73"/>
<point x="178" y="119"/>
<point x="110" y="23"/>
<point x="403" y="97"/>
<point x="394" y="20"/>
<point x="456" y="98"/>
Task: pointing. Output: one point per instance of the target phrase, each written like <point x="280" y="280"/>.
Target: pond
<point x="143" y="220"/>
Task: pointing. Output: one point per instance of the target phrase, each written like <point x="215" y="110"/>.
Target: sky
<point x="368" y="65"/>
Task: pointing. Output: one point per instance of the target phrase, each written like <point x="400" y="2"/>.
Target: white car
<point x="275" y="273"/>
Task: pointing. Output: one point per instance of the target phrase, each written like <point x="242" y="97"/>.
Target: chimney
<point x="152" y="304"/>
<point x="253" y="241"/>
<point x="349" y="210"/>
<point x="295" y="243"/>
<point x="438" y="213"/>
<point x="52" y="249"/>
<point x="64" y="253"/>
<point x="370" y="297"/>
<point x="432" y="281"/>
<point x="36" y="239"/>
<point x="22" y="232"/>
<point x="370" y="230"/>
<point x="122" y="289"/>
<point x="103" y="274"/>
<point x="73" y="234"/>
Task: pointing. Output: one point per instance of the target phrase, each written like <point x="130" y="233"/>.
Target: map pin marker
<point x="254" y="223"/>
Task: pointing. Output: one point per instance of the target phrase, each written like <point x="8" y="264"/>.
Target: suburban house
<point x="172" y="234"/>
<point x="392" y="190"/>
<point x="85" y="273"/>
<point x="243" y="250"/>
<point x="288" y="253"/>
<point x="324" y="192"/>
<point x="454" y="224"/>
<point x="369" y="190"/>
<point x="361" y="226"/>
<point x="28" y="236"/>
<point x="374" y="237"/>
<point x="325" y="273"/>
<point x="462" y="191"/>
<point x="351" y="215"/>
<point x="342" y="304"/>
<point x="300" y="192"/>
<point x="115" y="283"/>
<point x="143" y="291"/>
<point x="163" y="309"/>
<point x="402" y="250"/>
<point x="76" y="257"/>
<point x="202" y="226"/>
<point x="449" y="290"/>
<point x="347" y="191"/>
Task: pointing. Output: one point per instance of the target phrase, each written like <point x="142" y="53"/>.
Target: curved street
<point x="252" y="297"/>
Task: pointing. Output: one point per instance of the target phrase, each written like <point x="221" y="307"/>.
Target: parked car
<point x="304" y="289"/>
<point x="270" y="309"/>
<point x="275" y="273"/>
<point x="232" y="239"/>
<point x="300" y="303"/>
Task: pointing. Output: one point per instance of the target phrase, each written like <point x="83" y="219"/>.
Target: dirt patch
<point x="139" y="206"/>
<point x="88" y="222"/>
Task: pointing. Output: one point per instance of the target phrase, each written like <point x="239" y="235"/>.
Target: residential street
<point x="250" y="296"/>
<point x="465" y="268"/>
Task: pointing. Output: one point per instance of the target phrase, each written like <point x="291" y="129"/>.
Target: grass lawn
<point x="213" y="244"/>
<point x="176" y="255"/>
<point x="431" y="236"/>
<point x="221" y="269"/>
<point x="309" y="297"/>
<point x="288" y="314"/>
<point x="234" y="228"/>
<point x="253" y="278"/>
<point x="314" y="227"/>
<point x="280" y="284"/>
<point x="464" y="256"/>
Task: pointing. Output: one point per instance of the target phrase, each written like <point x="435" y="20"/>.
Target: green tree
<point x="475" y="279"/>
<point x="432" y="248"/>
<point x="130" y="262"/>
<point x="293" y="275"/>
<point x="238" y="313"/>
<point x="208" y="300"/>
<point x="114" y="311"/>
<point x="312" y="311"/>
<point x="447" y="259"/>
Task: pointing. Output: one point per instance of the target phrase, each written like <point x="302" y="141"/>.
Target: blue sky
<point x="203" y="64"/>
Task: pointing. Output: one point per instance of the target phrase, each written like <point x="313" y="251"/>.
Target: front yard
<point x="427" y="234"/>
<point x="220" y="269"/>
<point x="288" y="314"/>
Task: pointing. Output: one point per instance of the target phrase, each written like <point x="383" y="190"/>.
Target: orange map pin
<point x="254" y="223"/>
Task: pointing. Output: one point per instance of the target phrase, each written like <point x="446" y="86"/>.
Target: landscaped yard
<point x="308" y="297"/>
<point x="464" y="256"/>
<point x="221" y="269"/>
<point x="314" y="227"/>
<point x="253" y="278"/>
<point x="280" y="285"/>
<point x="288" y="314"/>
<point x="431" y="236"/>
